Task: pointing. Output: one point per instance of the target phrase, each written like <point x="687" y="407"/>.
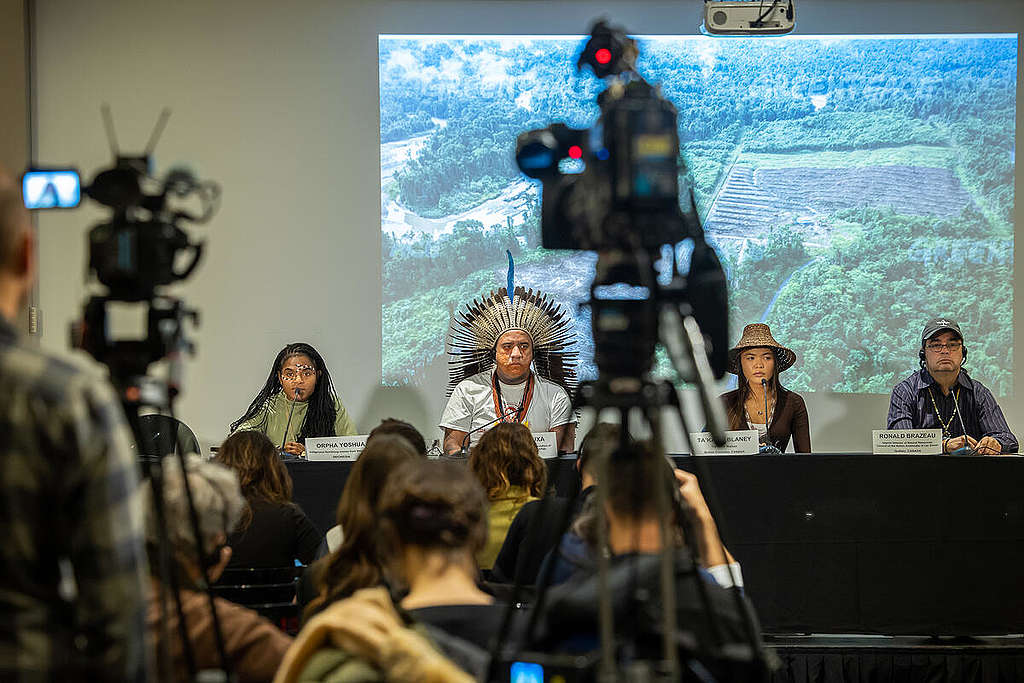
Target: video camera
<point x="628" y="193"/>
<point x="140" y="249"/>
<point x="625" y="205"/>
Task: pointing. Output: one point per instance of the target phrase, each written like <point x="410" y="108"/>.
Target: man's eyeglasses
<point x="936" y="347"/>
<point x="291" y="375"/>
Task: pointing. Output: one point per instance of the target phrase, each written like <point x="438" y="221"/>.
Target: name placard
<point x="547" y="444"/>
<point x="335" y="447"/>
<point x="906" y="441"/>
<point x="739" y="442"/>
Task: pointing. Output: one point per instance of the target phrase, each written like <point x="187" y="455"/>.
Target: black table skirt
<point x="318" y="485"/>
<point x="892" y="545"/>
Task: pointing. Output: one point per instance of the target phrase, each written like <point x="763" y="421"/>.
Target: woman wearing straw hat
<point x="760" y="402"/>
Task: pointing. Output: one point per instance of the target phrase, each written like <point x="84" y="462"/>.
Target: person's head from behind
<point x="218" y="505"/>
<point x="299" y="371"/>
<point x="17" y="248"/>
<point x="505" y="457"/>
<point x="354" y="564"/>
<point x="401" y="428"/>
<point x="631" y="503"/>
<point x="433" y="515"/>
<point x="261" y="474"/>
<point x="600" y="441"/>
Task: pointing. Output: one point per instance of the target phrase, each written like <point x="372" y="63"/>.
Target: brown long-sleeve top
<point x="789" y="419"/>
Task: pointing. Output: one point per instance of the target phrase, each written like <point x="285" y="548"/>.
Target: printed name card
<point x="335" y="447"/>
<point x="906" y="441"/>
<point x="739" y="442"/>
<point x="547" y="444"/>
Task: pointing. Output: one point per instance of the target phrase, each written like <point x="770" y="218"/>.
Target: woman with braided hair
<point x="297" y="401"/>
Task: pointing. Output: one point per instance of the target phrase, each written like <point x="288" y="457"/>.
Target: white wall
<point x="278" y="102"/>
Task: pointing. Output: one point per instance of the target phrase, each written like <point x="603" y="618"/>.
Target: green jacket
<point x="334" y="665"/>
<point x="271" y="420"/>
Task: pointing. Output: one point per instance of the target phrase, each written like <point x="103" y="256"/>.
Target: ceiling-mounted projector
<point x="748" y="17"/>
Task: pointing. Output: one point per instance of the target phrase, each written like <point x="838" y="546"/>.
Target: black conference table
<point x="900" y="546"/>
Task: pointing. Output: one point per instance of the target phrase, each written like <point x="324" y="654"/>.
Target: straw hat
<point x="759" y="334"/>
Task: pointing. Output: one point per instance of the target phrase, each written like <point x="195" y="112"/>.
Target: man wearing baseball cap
<point x="941" y="395"/>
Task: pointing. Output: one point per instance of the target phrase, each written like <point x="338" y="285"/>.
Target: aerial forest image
<point x="848" y="184"/>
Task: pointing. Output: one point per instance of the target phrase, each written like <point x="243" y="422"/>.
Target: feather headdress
<point x="474" y="334"/>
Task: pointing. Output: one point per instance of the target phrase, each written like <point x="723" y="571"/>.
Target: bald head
<point x="14" y="221"/>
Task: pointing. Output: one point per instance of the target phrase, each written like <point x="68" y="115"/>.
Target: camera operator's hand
<point x="712" y="552"/>
<point x="689" y="489"/>
<point x="294" y="448"/>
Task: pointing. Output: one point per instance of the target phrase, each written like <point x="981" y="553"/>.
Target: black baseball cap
<point x="936" y="325"/>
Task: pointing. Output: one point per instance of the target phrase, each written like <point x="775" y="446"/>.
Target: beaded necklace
<point x="946" y="433"/>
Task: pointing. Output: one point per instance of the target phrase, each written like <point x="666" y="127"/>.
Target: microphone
<point x="965" y="449"/>
<point x="508" y="412"/>
<point x="284" y="437"/>
<point x="767" y="447"/>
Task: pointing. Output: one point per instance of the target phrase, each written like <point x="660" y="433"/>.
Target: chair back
<point x="163" y="434"/>
<point x="270" y="591"/>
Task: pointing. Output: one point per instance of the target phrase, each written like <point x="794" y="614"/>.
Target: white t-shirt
<point x="471" y="405"/>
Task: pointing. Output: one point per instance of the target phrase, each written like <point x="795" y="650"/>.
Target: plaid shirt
<point x="72" y="602"/>
<point x="911" y="407"/>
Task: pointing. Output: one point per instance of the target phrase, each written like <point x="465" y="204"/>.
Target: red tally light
<point x="603" y="56"/>
<point x="575" y="152"/>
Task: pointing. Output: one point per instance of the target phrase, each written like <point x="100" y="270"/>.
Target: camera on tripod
<point x="625" y="205"/>
<point x="140" y="249"/>
<point x="628" y="193"/>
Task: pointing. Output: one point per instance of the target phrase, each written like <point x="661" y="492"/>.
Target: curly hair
<point x="434" y="505"/>
<point x="261" y="474"/>
<point x="321" y="412"/>
<point x="354" y="564"/>
<point x="506" y="456"/>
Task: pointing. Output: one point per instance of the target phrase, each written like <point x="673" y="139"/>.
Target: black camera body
<point x="626" y="205"/>
<point x="135" y="252"/>
<point x="628" y="193"/>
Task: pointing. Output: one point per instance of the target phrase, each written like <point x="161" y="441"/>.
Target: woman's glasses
<point x="293" y="375"/>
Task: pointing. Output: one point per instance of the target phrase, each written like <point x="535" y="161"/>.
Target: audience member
<point x="72" y="567"/>
<point x="297" y="401"/>
<point x="390" y="425"/>
<point x="254" y="647"/>
<point x="363" y="639"/>
<point x="433" y="523"/>
<point x="433" y="520"/>
<point x="534" y="531"/>
<point x="506" y="462"/>
<point x="273" y="531"/>
<point x="634" y="540"/>
<point x="355" y="565"/>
